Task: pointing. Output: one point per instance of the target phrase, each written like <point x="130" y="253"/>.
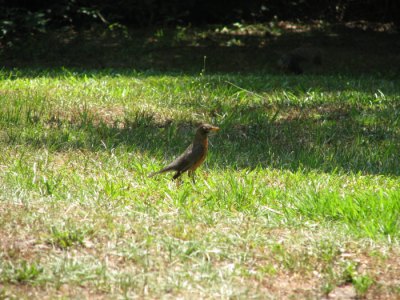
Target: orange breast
<point x="202" y="158"/>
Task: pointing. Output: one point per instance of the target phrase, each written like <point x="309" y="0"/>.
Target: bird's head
<point x="205" y="129"/>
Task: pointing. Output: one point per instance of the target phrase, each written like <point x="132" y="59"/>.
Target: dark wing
<point x="185" y="161"/>
<point x="188" y="158"/>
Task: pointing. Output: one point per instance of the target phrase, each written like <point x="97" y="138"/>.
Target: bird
<point x="194" y="155"/>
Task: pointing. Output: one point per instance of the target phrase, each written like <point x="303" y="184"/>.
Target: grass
<point x="299" y="195"/>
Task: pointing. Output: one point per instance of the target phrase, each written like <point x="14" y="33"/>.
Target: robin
<point x="193" y="156"/>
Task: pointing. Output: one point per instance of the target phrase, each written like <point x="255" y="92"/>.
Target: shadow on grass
<point x="227" y="48"/>
<point x="337" y="140"/>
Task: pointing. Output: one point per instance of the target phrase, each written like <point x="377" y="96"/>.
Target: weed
<point x="66" y="238"/>
<point x="20" y="272"/>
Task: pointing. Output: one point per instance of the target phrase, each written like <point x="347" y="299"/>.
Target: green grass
<point x="299" y="196"/>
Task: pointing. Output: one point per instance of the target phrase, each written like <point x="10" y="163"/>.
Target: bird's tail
<point x="152" y="174"/>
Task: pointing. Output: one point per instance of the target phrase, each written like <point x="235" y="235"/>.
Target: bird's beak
<point x="214" y="128"/>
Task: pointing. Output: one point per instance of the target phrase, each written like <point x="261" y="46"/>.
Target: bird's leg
<point x="191" y="174"/>
<point x="177" y="174"/>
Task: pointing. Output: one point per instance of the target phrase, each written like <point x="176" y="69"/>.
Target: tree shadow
<point x="327" y="139"/>
<point x="227" y="49"/>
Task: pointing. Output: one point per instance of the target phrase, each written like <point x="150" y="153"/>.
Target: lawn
<point x="299" y="196"/>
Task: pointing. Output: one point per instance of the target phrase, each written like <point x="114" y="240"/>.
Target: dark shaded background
<point x="356" y="35"/>
<point x="18" y="16"/>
